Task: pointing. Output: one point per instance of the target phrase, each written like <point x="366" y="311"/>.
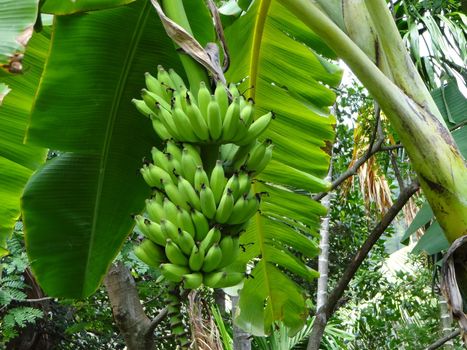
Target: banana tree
<point x="77" y="208"/>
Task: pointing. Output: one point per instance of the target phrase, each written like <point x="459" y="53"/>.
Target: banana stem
<point x="209" y="155"/>
<point x="431" y="148"/>
<point x="196" y="73"/>
<point x="175" y="317"/>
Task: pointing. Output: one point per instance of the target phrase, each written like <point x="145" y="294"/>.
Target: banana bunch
<point x="189" y="216"/>
<point x="198" y="209"/>
<point x="225" y="117"/>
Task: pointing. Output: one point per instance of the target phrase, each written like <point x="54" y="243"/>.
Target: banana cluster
<point x="198" y="209"/>
<point x="210" y="119"/>
<point x="194" y="218"/>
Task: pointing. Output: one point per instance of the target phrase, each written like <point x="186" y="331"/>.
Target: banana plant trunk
<point x="379" y="59"/>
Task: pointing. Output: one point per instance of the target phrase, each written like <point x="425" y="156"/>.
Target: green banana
<point x="244" y="182"/>
<point x="169" y="230"/>
<point x="172" y="148"/>
<point x="165" y="116"/>
<point x="185" y="221"/>
<point x="154" y="85"/>
<point x="150" y="253"/>
<point x="158" y="197"/>
<point x="238" y="211"/>
<point x="256" y="154"/>
<point x="201" y="225"/>
<point x="200" y="178"/>
<point x="142" y="224"/>
<point x="189" y="165"/>
<point x="204" y="97"/>
<point x="233" y="185"/>
<point x="185" y="242"/>
<point x="241" y="155"/>
<point x="192" y="280"/>
<point x="222" y="98"/>
<point x="234" y="90"/>
<point x="143" y="108"/>
<point x="173" y="273"/>
<point x="183" y="125"/>
<point x="257" y="128"/>
<point x="175" y="254"/>
<point x="230" y="123"/>
<point x="188" y="193"/>
<point x="224" y="209"/>
<point x="265" y="161"/>
<point x="177" y="80"/>
<point x="160" y="159"/>
<point x="155" y="233"/>
<point x="212" y="258"/>
<point x="195" y="262"/>
<point x="213" y="236"/>
<point x="150" y="100"/>
<point x="175" y="168"/>
<point x="214" y="120"/>
<point x="252" y="206"/>
<point x="230" y="250"/>
<point x="213" y="278"/>
<point x="247" y="113"/>
<point x="159" y="128"/>
<point x="207" y="201"/>
<point x="218" y="181"/>
<point x="199" y="124"/>
<point x="175" y="196"/>
<point x="155" y="176"/>
<point x="194" y="153"/>
<point x="222" y="279"/>
<point x="170" y="210"/>
<point x="164" y="77"/>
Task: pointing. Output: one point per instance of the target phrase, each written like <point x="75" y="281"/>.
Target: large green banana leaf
<point x="277" y="59"/>
<point x="17" y="160"/>
<point x="77" y="208"/>
<point x="60" y="7"/>
<point x="16" y="17"/>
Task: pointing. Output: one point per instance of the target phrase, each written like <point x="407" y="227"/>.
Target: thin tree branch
<point x="437" y="344"/>
<point x="397" y="171"/>
<point x="156" y="320"/>
<point x="352" y="170"/>
<point x="35" y="300"/>
<point x="325" y="312"/>
<point x="374" y="146"/>
<point x="390" y="148"/>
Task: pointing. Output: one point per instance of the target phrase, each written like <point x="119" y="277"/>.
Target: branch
<point x="353" y="169"/>
<point x="397" y="171"/>
<point x="158" y="319"/>
<point x="326" y="311"/>
<point x="443" y="340"/>
<point x="390" y="148"/>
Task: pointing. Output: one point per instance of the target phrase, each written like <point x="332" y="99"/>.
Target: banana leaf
<point x="17" y="160"/>
<point x="275" y="60"/>
<point x="77" y="208"/>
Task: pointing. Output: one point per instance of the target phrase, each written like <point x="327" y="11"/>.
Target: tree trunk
<point x="446" y="321"/>
<point x="127" y="310"/>
<point x="241" y="339"/>
<point x="323" y="259"/>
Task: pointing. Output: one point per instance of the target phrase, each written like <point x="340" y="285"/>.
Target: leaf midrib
<point x="258" y="31"/>
<point x="110" y="127"/>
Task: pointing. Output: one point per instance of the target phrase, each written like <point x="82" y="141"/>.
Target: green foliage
<point x="401" y="313"/>
<point x="13" y="313"/>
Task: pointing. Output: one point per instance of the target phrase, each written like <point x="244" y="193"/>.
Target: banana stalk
<point x="434" y="155"/>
